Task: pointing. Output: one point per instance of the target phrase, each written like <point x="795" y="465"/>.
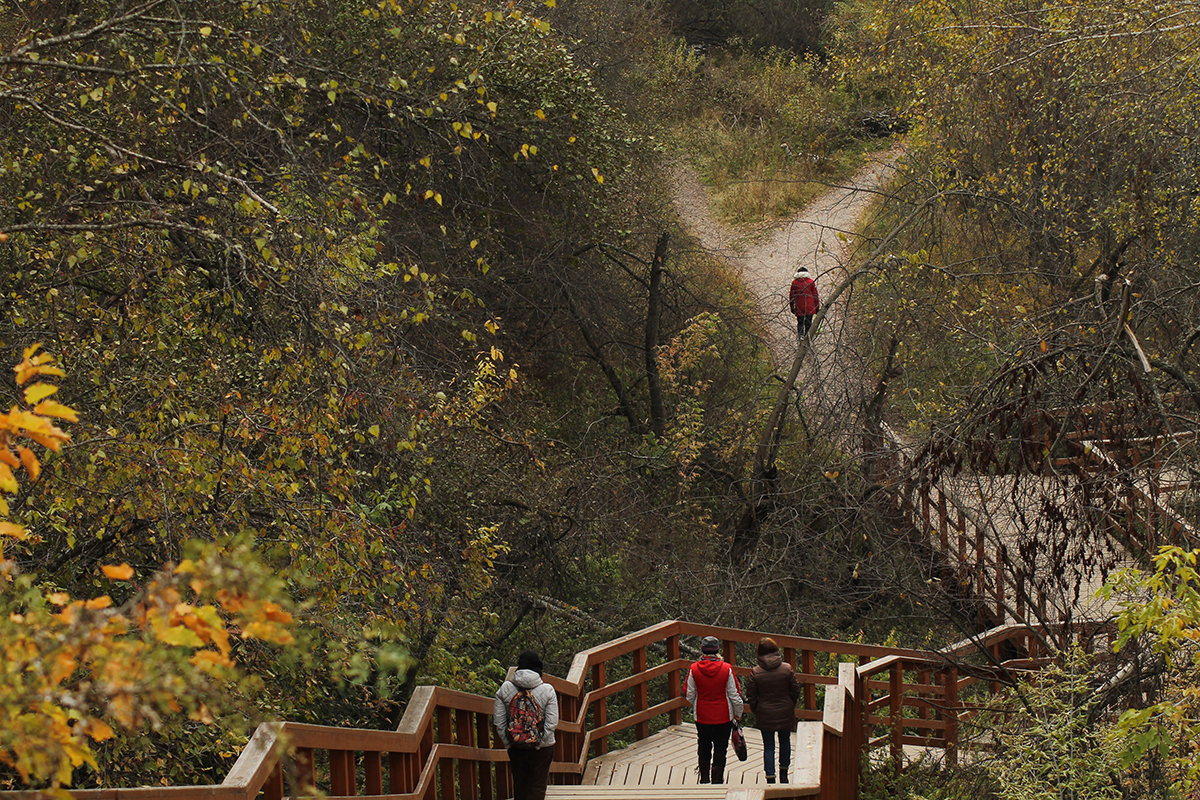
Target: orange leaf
<point x="99" y="730"/>
<point x="53" y="408"/>
<point x="103" y="601"/>
<point x="118" y="572"/>
<point x="31" y="463"/>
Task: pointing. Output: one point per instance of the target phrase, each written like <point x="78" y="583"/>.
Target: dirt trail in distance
<point x="834" y="374"/>
<point x="766" y="262"/>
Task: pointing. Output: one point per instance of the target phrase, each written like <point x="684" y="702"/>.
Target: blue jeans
<point x="785" y="751"/>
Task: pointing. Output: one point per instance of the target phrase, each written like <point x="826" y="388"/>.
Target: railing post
<point x="674" y="689"/>
<point x="998" y="586"/>
<point x="952" y="716"/>
<point x="641" y="700"/>
<point x="962" y="536"/>
<point x="809" y="659"/>
<point x="445" y="735"/>
<point x="600" y="709"/>
<point x="483" y="738"/>
<point x="468" y="783"/>
<point x="372" y="773"/>
<point x="273" y="788"/>
<point x="398" y="772"/>
<point x="895" y="700"/>
<point x="341" y="773"/>
<point x="980" y="560"/>
<point x="943" y="524"/>
<point x="303" y="761"/>
<point x="1020" y="599"/>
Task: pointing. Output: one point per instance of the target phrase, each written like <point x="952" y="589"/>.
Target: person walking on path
<point x="712" y="689"/>
<point x="772" y="691"/>
<point x="525" y="715"/>
<point x="803" y="300"/>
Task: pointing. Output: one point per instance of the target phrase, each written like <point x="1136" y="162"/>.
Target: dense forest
<point x="359" y="345"/>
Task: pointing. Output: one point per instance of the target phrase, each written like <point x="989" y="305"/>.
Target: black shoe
<point x="770" y="779"/>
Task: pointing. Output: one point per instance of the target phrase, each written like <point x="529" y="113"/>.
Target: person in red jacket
<point x="804" y="300"/>
<point x="712" y="689"/>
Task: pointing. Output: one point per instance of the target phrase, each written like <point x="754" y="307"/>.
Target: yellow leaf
<point x="59" y="598"/>
<point x="596" y="174"/>
<point x="117" y="572"/>
<point x="205" y="30"/>
<point x="8" y="457"/>
<point x="13" y="530"/>
<point x="180" y="636"/>
<point x="268" y="632"/>
<point x="39" y="391"/>
<point x="53" y="408"/>
<point x="8" y="482"/>
<point x="540" y="114"/>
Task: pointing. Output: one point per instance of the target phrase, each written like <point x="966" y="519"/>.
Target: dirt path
<point x="766" y="262"/>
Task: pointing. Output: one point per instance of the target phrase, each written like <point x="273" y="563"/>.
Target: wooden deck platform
<point x="668" y="759"/>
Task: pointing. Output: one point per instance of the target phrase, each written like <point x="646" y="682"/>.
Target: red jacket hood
<point x="710" y="667"/>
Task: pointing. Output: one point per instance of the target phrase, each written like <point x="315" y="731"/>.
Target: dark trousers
<point x="785" y="751"/>
<point x="713" y="744"/>
<point x="803" y="323"/>
<point x="530" y="772"/>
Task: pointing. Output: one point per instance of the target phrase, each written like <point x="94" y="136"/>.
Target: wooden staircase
<point x="856" y="698"/>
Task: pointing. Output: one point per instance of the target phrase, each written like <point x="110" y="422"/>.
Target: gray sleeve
<point x="500" y="715"/>
<point x="550" y="715"/>
<point x="735" y="697"/>
<point x="691" y="689"/>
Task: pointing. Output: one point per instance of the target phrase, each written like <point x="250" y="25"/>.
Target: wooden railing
<point x="621" y="691"/>
<point x="977" y="556"/>
<point x="905" y="700"/>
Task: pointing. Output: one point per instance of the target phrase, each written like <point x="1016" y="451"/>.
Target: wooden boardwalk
<point x="668" y="758"/>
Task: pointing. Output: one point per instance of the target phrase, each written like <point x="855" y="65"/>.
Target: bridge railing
<point x="625" y="689"/>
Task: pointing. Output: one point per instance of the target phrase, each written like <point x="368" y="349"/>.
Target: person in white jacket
<point x="530" y="765"/>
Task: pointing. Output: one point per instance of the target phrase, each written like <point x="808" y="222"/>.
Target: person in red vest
<point x="804" y="300"/>
<point x="712" y="689"/>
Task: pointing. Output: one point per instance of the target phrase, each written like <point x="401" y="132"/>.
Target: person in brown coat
<point x="772" y="692"/>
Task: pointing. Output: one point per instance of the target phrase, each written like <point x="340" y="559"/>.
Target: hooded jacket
<point x="772" y="691"/>
<point x="803" y="297"/>
<point x="543" y="694"/>
<point x="712" y="690"/>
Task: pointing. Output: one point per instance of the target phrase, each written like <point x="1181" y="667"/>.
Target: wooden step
<point x="649" y="792"/>
<point x="638" y="792"/>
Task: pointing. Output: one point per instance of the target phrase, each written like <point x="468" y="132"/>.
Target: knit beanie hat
<point x="710" y="645"/>
<point x="530" y="660"/>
